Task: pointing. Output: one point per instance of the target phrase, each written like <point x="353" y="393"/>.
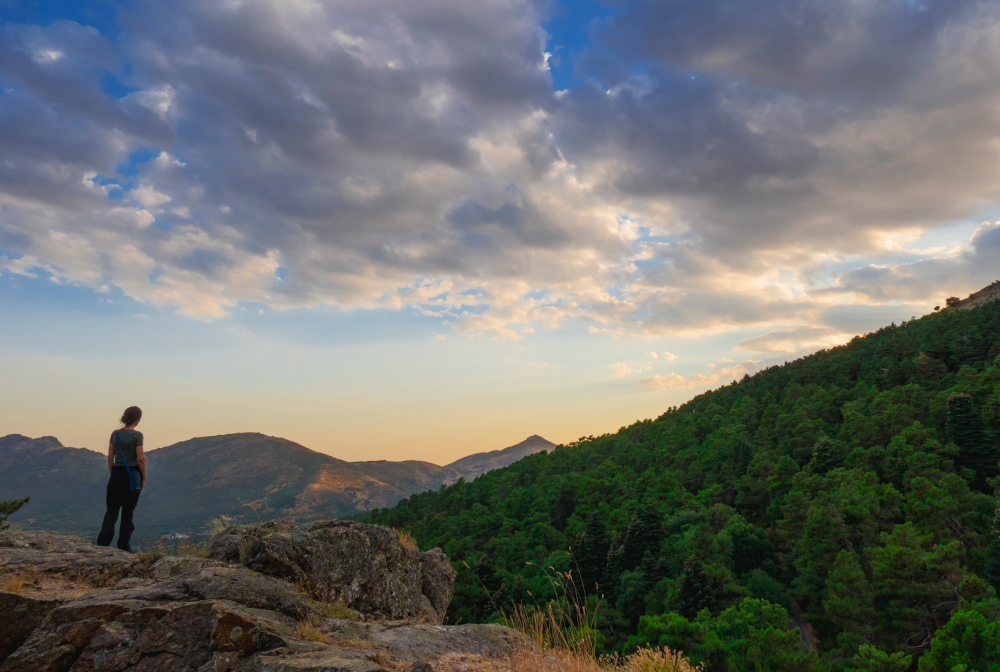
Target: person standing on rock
<point x="127" y="467"/>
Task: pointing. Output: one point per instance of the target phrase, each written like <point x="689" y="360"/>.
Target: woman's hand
<point x="141" y="459"/>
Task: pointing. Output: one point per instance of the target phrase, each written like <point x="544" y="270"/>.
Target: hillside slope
<point x="851" y="487"/>
<point x="471" y="466"/>
<point x="246" y="476"/>
<point x="989" y="293"/>
<point x="66" y="485"/>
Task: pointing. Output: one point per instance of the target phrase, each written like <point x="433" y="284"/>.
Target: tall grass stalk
<point x="564" y="635"/>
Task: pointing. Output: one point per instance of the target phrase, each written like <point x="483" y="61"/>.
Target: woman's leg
<point x="131" y="499"/>
<point x="114" y="503"/>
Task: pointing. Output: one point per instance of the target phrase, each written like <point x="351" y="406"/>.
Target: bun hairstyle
<point x="131" y="416"/>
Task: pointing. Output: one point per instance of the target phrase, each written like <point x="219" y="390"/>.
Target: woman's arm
<point x="111" y="457"/>
<point x="141" y="459"/>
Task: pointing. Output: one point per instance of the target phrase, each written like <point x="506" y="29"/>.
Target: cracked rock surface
<point x="88" y="609"/>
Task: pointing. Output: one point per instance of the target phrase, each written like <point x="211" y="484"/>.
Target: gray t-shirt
<point x="130" y="440"/>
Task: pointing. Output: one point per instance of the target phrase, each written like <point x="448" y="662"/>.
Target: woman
<point x="125" y="448"/>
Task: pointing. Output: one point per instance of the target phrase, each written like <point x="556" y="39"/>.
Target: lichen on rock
<point x="365" y="567"/>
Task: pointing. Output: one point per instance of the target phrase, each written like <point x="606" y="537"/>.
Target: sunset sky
<point x="417" y="229"/>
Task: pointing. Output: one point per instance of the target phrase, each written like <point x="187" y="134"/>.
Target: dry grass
<point x="564" y="635"/>
<point x="407" y="540"/>
<point x="151" y="555"/>
<point x="309" y="629"/>
<point x="12" y="583"/>
<point x="644" y="660"/>
<point x="655" y="660"/>
<point x="362" y="644"/>
<point x="221" y="523"/>
<point x="383" y="659"/>
<point x="39" y="583"/>
<point x="312" y="633"/>
<point x="198" y="550"/>
<point x="336" y="610"/>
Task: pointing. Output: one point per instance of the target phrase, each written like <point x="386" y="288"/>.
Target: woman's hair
<point x="131" y="415"/>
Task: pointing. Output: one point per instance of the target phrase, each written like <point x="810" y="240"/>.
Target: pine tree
<point x="743" y="456"/>
<point x="849" y="603"/>
<point x="696" y="591"/>
<point x="965" y="429"/>
<point x="653" y="568"/>
<point x="993" y="554"/>
<point x="612" y="574"/>
<point x="593" y="555"/>
<point x="824" y="456"/>
<point x="643" y="535"/>
<point x="9" y="508"/>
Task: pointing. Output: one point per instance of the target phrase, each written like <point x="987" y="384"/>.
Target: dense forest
<point x="835" y="513"/>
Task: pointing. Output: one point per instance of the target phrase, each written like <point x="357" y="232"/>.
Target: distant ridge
<point x="473" y="465"/>
<point x="245" y="475"/>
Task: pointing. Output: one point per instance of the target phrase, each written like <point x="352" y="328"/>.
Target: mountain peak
<point x="21" y="442"/>
<point x="479" y="463"/>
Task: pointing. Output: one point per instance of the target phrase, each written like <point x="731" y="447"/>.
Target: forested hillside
<point x="833" y="513"/>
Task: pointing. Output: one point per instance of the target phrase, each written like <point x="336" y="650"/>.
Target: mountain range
<point x="241" y="476"/>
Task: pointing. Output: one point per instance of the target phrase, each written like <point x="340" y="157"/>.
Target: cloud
<point x="674" y="381"/>
<point x="965" y="270"/>
<point x="148" y="197"/>
<point x="623" y="369"/>
<point x="439" y="338"/>
<point x="719" y="170"/>
<point x="799" y="339"/>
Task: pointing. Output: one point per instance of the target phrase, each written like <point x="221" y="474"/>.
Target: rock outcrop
<point x="66" y="556"/>
<point x="365" y="567"/>
<point x="88" y="609"/>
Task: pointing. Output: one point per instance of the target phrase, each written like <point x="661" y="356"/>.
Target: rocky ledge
<point x="270" y="598"/>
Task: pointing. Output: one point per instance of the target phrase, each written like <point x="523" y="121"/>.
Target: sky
<point x="417" y="229"/>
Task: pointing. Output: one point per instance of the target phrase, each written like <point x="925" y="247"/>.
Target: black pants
<point x="120" y="497"/>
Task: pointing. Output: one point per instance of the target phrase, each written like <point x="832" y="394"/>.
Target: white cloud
<point x="674" y="381"/>
<point x="165" y="160"/>
<point x="799" y="339"/>
<point x="439" y="337"/>
<point x="148" y="196"/>
<point x="623" y="369"/>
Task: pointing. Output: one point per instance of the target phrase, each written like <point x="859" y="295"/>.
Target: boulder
<point x="134" y="635"/>
<point x="437" y="579"/>
<point x="362" y="566"/>
<point x="21" y="614"/>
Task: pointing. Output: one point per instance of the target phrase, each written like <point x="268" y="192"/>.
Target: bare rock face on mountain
<point x="365" y="567"/>
<point x="82" y="609"/>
